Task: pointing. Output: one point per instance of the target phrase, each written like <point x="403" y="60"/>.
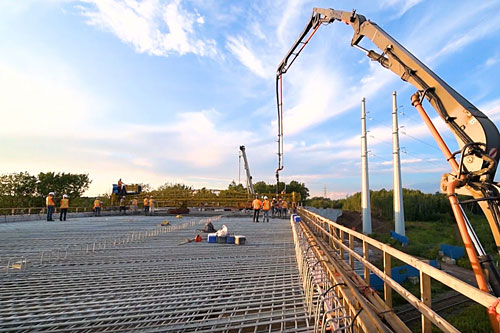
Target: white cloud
<point x="151" y="26"/>
<point x="288" y="17"/>
<point x="238" y="47"/>
<point x="467" y="37"/>
<point x="491" y="109"/>
<point x="38" y="103"/>
<point x="402" y="5"/>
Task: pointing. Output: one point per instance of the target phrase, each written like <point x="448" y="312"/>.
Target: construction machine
<point x="473" y="166"/>
<point x="250" y="189"/>
<point x="127" y="189"/>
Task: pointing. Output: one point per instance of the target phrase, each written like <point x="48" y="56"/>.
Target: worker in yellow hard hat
<point x="51" y="204"/>
<point x="64" y="208"/>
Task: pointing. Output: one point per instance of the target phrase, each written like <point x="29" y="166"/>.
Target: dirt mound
<point x="352" y="219"/>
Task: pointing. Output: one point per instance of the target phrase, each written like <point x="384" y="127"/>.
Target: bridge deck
<point x="126" y="273"/>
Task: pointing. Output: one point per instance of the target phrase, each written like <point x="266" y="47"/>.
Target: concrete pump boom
<point x="250" y="189"/>
<point x="477" y="136"/>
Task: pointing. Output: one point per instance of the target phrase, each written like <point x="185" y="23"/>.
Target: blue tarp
<point x="400" y="238"/>
<point x="399" y="274"/>
<point x="454" y="252"/>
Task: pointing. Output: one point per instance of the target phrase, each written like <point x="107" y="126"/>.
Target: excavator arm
<point x="476" y="135"/>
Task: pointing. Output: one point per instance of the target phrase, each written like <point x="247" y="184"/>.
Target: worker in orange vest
<point x="266" y="206"/>
<point x="284" y="208"/>
<point x="64" y="208"/>
<point x="256" y="204"/>
<point x="146" y="205"/>
<point x="135" y="202"/>
<point x="97" y="207"/>
<point x="151" y="206"/>
<point x="51" y="204"/>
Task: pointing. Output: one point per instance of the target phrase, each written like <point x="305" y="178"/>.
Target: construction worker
<point x="135" y="202"/>
<point x="121" y="187"/>
<point x="146" y="205"/>
<point x="266" y="206"/>
<point x="51" y="204"/>
<point x="274" y="205"/>
<point x="64" y="208"/>
<point x="151" y="206"/>
<point x="256" y="204"/>
<point x="97" y="207"/>
<point x="122" y="206"/>
<point x="279" y="206"/>
<point x="284" y="208"/>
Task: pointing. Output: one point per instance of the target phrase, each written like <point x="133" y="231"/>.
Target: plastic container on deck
<point x="230" y="239"/>
<point x="240" y="240"/>
<point x="212" y="238"/>
<point x="296" y="218"/>
<point x="221" y="240"/>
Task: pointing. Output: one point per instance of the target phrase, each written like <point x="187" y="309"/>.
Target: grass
<point x="425" y="238"/>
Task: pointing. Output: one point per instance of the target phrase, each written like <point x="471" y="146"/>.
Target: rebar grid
<point x="151" y="283"/>
<point x="323" y="305"/>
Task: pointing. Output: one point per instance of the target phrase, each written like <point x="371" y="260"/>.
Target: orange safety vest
<point x="285" y="204"/>
<point x="151" y="202"/>
<point x="266" y="205"/>
<point x="50" y="201"/>
<point x="146" y="202"/>
<point x="256" y="204"/>
<point x="134" y="202"/>
<point x="64" y="203"/>
<point x="97" y="203"/>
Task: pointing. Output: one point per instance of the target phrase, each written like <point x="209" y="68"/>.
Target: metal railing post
<point x="366" y="271"/>
<point x="351" y="246"/>
<point x="425" y="296"/>
<point x="387" y="271"/>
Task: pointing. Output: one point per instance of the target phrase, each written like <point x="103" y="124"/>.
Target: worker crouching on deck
<point x="266" y="206"/>
<point x="146" y="205"/>
<point x="256" y="204"/>
<point x="51" y="204"/>
<point x="64" y="208"/>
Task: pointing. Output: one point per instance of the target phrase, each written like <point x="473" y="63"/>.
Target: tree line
<point x="418" y="206"/>
<point x="25" y="190"/>
<point x="22" y="189"/>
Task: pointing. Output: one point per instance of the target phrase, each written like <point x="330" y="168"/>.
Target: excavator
<point x="473" y="166"/>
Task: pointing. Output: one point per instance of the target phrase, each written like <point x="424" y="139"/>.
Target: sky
<point x="165" y="91"/>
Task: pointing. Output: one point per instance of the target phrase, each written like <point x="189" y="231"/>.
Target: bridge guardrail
<point x="337" y="235"/>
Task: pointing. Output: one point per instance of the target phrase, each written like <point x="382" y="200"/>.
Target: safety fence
<point x="341" y="241"/>
<point x="50" y="256"/>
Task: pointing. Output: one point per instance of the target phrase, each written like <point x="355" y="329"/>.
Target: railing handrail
<point x="460" y="286"/>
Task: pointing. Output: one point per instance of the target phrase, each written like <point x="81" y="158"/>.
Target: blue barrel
<point x="230" y="239"/>
<point x="212" y="238"/>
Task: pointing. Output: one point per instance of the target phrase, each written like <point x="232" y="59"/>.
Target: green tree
<point x="18" y="190"/>
<point x="236" y="187"/>
<point x="73" y="185"/>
